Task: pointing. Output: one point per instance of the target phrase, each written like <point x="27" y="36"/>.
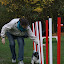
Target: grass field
<point x="5" y="54"/>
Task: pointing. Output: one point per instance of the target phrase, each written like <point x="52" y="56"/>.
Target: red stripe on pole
<point x="59" y="39"/>
<point x="39" y="31"/>
<point x="46" y="41"/>
<point x="33" y="41"/>
<point x="35" y="34"/>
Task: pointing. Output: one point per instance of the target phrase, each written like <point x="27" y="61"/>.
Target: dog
<point x="35" y="58"/>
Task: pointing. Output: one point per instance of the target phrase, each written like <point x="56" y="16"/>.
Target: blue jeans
<point x="20" y="41"/>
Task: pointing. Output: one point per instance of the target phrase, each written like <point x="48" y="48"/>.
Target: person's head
<point x="24" y="22"/>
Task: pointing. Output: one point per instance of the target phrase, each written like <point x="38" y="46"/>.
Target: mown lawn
<point x="5" y="54"/>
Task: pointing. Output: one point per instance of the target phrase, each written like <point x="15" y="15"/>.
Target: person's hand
<point x="3" y="40"/>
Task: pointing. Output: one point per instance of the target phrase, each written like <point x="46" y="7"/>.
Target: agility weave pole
<point x="41" y="43"/>
<point x="34" y="45"/>
<point x="59" y="39"/>
<point x="37" y="34"/>
<point x="50" y="44"/>
<point x="38" y="48"/>
<point x="34" y="31"/>
<point x="46" y="41"/>
<point x="50" y="41"/>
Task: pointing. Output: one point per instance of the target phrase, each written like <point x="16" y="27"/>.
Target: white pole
<point x="50" y="41"/>
<point x="37" y="34"/>
<point x="41" y="42"/>
<point x="34" y="33"/>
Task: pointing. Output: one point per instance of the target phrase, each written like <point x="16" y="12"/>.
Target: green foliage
<point x="33" y="10"/>
<point x="4" y="16"/>
<point x="26" y="7"/>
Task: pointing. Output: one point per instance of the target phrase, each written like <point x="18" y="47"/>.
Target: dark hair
<point x="24" y="21"/>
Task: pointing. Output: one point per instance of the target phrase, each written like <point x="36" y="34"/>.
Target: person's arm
<point x="3" y="31"/>
<point x="6" y="27"/>
<point x="31" y="35"/>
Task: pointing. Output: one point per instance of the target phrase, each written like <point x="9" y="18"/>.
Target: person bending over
<point x="17" y="28"/>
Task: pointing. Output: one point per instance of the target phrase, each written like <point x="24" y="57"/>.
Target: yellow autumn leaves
<point x="39" y="4"/>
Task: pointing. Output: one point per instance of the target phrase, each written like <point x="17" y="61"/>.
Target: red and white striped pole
<point x="34" y="45"/>
<point x="40" y="46"/>
<point x="37" y="34"/>
<point x="50" y="40"/>
<point x="41" y="42"/>
<point x="46" y="41"/>
<point x="59" y="39"/>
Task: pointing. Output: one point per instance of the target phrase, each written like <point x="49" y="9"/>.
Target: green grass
<point x="5" y="54"/>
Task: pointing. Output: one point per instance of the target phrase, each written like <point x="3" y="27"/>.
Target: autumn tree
<point x="35" y="9"/>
